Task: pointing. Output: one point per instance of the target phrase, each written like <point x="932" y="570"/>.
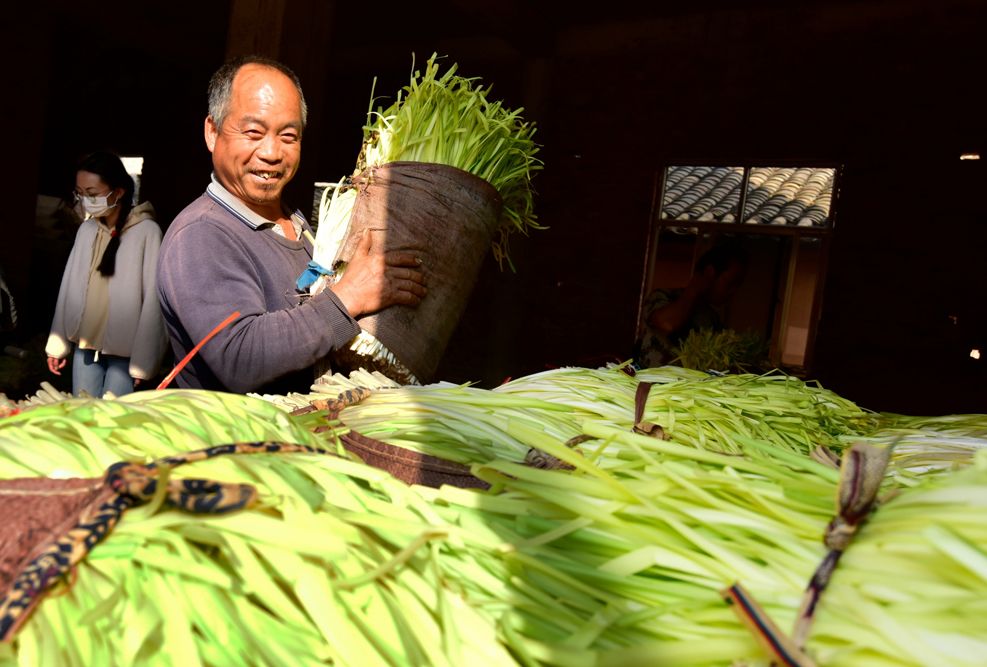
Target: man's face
<point x="257" y="150"/>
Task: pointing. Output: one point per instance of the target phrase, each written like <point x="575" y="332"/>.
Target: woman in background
<point x="107" y="315"/>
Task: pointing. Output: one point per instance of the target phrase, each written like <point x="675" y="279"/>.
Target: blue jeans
<point x="97" y="377"/>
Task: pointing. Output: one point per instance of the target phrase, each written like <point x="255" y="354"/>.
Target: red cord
<point x="188" y="357"/>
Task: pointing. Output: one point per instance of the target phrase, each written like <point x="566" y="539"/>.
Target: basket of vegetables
<point x="445" y="170"/>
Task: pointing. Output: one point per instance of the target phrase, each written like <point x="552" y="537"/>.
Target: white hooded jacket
<point x="134" y="326"/>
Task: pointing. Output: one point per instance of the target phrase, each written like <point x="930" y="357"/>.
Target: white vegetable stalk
<point x="335" y="209"/>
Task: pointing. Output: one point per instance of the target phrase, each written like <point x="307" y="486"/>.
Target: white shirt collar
<point x="234" y="205"/>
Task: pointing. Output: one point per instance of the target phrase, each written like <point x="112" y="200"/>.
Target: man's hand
<point x="373" y="281"/>
<point x="56" y="365"/>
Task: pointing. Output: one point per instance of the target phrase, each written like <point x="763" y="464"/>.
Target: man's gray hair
<point x="221" y="85"/>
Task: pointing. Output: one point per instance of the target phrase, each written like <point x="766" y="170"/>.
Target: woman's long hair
<point x="109" y="167"/>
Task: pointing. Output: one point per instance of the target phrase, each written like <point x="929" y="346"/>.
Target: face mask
<point x="97" y="206"/>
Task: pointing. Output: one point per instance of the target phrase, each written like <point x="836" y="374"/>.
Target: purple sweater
<point x="214" y="260"/>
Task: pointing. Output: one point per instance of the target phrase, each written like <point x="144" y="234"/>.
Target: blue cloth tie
<point x="311" y="273"/>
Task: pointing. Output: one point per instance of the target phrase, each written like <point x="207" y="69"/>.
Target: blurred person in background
<point x="107" y="316"/>
<point x="671" y="314"/>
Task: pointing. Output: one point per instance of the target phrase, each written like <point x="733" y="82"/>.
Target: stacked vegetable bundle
<point x="443" y="118"/>
<point x="468" y="424"/>
<point x="447" y="171"/>
<point x="725" y="350"/>
<point x="617" y="560"/>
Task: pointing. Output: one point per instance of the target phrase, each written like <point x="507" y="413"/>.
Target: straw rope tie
<point x="536" y="458"/>
<point x="861" y="473"/>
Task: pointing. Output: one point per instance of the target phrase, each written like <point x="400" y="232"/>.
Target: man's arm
<point x="205" y="274"/>
<point x="674" y="315"/>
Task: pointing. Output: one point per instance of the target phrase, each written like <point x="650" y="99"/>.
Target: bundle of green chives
<point x="615" y="565"/>
<point x="695" y="409"/>
<point x="86" y="435"/>
<point x="339" y="563"/>
<point x="438" y="118"/>
<point x="681" y="524"/>
<point x="725" y="350"/>
<point x="445" y="118"/>
<point x="932" y="443"/>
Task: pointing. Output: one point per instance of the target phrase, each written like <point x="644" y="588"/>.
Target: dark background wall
<point x="891" y="90"/>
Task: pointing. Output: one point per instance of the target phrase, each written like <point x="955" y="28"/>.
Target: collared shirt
<point x="211" y="247"/>
<point x="235" y="206"/>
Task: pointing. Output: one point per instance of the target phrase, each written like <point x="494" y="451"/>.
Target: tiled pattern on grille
<point x="775" y="195"/>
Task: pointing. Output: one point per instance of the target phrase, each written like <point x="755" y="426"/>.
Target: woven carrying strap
<point x="409" y="466"/>
<point x="57" y="522"/>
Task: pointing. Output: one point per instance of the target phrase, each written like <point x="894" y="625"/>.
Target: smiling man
<point x="237" y="248"/>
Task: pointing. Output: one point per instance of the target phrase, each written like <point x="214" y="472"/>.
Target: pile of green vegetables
<point x="616" y="557"/>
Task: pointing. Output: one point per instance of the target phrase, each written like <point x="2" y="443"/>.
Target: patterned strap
<point x="346" y="398"/>
<point x="129" y="485"/>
